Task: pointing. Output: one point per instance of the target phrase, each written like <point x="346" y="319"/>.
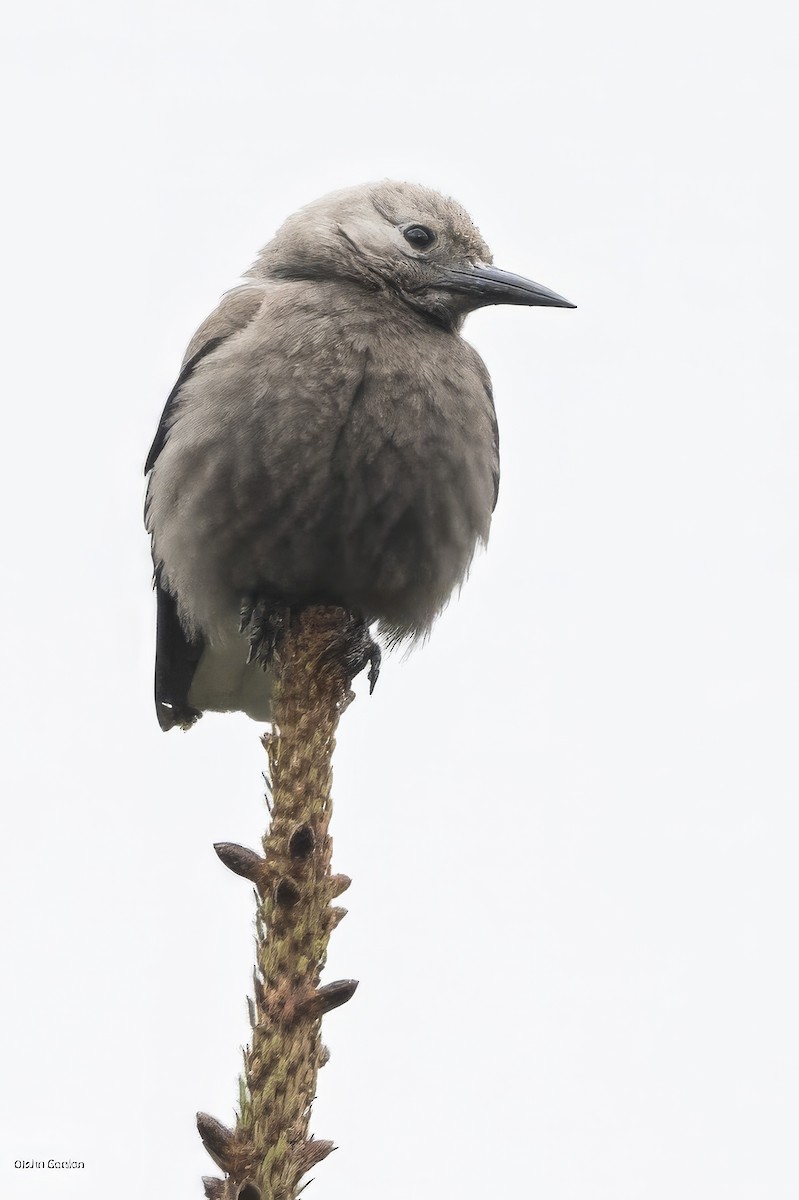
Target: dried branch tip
<point x="215" y="1189"/>
<point x="218" y="1140"/>
<point x="242" y="861"/>
<point x="307" y="1156"/>
<point x="331" y="996"/>
<point x="229" y="1189"/>
<point x="334" y="916"/>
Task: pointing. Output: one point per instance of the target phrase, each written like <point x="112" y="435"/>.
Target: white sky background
<point x="571" y="819"/>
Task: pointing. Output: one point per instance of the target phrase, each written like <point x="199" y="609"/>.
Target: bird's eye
<point x="419" y="236"/>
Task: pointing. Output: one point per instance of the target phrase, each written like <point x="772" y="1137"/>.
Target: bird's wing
<point x="234" y="311"/>
<point x="494" y="441"/>
<point x="177" y="655"/>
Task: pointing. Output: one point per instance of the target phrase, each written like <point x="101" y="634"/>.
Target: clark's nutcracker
<point x="331" y="439"/>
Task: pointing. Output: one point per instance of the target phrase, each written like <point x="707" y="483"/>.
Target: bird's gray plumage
<point x="331" y="438"/>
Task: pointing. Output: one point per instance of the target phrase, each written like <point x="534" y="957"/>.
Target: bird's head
<point x="404" y="238"/>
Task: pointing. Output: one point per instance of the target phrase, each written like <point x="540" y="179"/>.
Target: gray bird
<point x="331" y="439"/>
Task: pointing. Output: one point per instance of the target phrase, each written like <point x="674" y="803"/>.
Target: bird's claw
<point x="245" y="613"/>
<point x="375" y="658"/>
<point x="360" y="650"/>
<point x="265" y="625"/>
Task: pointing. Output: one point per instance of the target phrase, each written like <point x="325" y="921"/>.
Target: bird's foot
<point x="265" y="625"/>
<point x="359" y="650"/>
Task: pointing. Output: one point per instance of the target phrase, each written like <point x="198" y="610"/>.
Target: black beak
<point x="489" y="285"/>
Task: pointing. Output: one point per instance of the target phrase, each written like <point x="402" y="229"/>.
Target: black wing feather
<point x="176" y="659"/>
<point x="177" y="654"/>
<point x="168" y="415"/>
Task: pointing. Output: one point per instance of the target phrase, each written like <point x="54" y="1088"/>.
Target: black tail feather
<point x="176" y="659"/>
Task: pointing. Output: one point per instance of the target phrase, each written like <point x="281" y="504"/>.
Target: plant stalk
<point x="270" y="1149"/>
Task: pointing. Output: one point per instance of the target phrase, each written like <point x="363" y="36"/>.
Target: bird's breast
<point x="413" y="472"/>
